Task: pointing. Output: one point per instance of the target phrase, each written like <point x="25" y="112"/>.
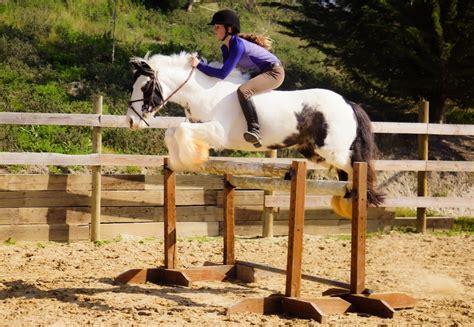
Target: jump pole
<point x="338" y="300"/>
<point x="230" y="269"/>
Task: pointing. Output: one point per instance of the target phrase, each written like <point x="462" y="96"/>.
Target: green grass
<point x="464" y="224"/>
<point x="451" y="233"/>
<point x="147" y="239"/>
<point x="409" y="212"/>
<point x="133" y="170"/>
<point x="199" y="239"/>
<point x="340" y="237"/>
<point x="441" y="194"/>
<point x="9" y="241"/>
<point x="405" y="212"/>
<point x="40" y="245"/>
<point x="404" y="229"/>
<point x="348" y="237"/>
<point x="100" y="243"/>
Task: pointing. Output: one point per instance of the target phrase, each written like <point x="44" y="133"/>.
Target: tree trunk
<point x="437" y="109"/>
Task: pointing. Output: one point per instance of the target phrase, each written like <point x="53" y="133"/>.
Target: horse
<point x="322" y="125"/>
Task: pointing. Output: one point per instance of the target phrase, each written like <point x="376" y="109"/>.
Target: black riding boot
<point x="253" y="128"/>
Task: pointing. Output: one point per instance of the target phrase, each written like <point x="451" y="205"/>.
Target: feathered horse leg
<point x="194" y="141"/>
<point x="173" y="150"/>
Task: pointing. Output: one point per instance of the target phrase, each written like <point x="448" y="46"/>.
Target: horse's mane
<point x="158" y="61"/>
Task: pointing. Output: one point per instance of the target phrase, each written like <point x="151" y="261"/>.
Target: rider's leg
<point x="252" y="135"/>
<point x="266" y="81"/>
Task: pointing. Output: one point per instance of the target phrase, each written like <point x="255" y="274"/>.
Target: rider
<point x="250" y="52"/>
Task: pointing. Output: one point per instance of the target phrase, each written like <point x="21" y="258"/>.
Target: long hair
<point x="261" y="40"/>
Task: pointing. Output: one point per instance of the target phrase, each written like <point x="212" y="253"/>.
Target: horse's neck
<point x="199" y="93"/>
<point x="187" y="90"/>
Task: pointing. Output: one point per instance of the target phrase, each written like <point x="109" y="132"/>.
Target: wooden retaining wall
<point x="57" y="207"/>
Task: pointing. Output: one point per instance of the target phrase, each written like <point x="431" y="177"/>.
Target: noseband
<point x="157" y="86"/>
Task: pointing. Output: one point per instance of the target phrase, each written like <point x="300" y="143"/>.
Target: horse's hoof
<point x="346" y="208"/>
<point x="342" y="207"/>
<point x="257" y="145"/>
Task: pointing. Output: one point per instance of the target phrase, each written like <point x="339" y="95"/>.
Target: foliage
<point x="56" y="54"/>
<point x="398" y="49"/>
<point x="409" y="212"/>
<point x="147" y="239"/>
<point x="405" y="212"/>
<point x="464" y="224"/>
<point x="9" y="241"/>
<point x="167" y="4"/>
<point x="199" y="239"/>
<point x="102" y="243"/>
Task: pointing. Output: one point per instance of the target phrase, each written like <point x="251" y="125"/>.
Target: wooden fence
<point x="59" y="207"/>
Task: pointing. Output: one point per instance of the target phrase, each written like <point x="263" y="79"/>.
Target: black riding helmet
<point x="226" y="17"/>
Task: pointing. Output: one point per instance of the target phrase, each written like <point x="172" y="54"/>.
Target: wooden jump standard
<point x="352" y="297"/>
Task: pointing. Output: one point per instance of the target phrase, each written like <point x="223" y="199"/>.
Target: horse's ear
<point x="141" y="65"/>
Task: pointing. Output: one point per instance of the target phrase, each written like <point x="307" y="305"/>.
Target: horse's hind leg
<point x="338" y="158"/>
<point x="341" y="160"/>
<point x="342" y="205"/>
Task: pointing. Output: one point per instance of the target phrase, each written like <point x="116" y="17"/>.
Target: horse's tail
<point x="363" y="149"/>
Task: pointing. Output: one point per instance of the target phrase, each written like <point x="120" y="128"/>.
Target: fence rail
<point x="88" y="120"/>
<point x="96" y="160"/>
<point x="112" y="121"/>
<point x="31" y="158"/>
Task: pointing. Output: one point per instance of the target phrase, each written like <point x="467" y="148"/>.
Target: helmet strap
<point x="226" y="32"/>
<point x="225" y="36"/>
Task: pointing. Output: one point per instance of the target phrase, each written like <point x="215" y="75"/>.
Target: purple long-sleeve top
<point x="243" y="54"/>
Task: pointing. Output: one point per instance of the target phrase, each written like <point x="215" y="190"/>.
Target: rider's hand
<point x="193" y="61"/>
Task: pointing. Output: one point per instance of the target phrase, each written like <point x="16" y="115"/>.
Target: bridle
<point x="157" y="86"/>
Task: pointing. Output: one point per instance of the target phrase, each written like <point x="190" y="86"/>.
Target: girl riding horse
<point x="252" y="56"/>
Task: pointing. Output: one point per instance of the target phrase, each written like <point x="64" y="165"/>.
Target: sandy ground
<point x="72" y="284"/>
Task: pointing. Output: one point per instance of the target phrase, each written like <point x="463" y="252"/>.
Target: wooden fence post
<point x="268" y="213"/>
<point x="96" y="174"/>
<point x="169" y="213"/>
<point x="423" y="117"/>
<point x="295" y="229"/>
<point x="359" y="228"/>
<point x="229" y="221"/>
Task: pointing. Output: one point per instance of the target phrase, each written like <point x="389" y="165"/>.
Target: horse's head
<point x="147" y="94"/>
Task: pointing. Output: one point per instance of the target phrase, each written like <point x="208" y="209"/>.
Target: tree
<point x="407" y="49"/>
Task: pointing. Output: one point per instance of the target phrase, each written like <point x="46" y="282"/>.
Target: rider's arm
<point x="234" y="55"/>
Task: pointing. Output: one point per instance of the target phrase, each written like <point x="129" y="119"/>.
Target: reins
<point x="155" y="78"/>
<point x="179" y="88"/>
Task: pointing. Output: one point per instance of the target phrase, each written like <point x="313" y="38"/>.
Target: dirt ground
<point x="57" y="284"/>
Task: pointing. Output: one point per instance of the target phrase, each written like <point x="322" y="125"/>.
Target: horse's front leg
<point x="173" y="150"/>
<point x="194" y="141"/>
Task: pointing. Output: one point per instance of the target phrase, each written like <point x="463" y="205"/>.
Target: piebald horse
<point x="319" y="123"/>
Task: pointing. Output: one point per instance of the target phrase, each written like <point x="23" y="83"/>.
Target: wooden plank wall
<point x="56" y="207"/>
